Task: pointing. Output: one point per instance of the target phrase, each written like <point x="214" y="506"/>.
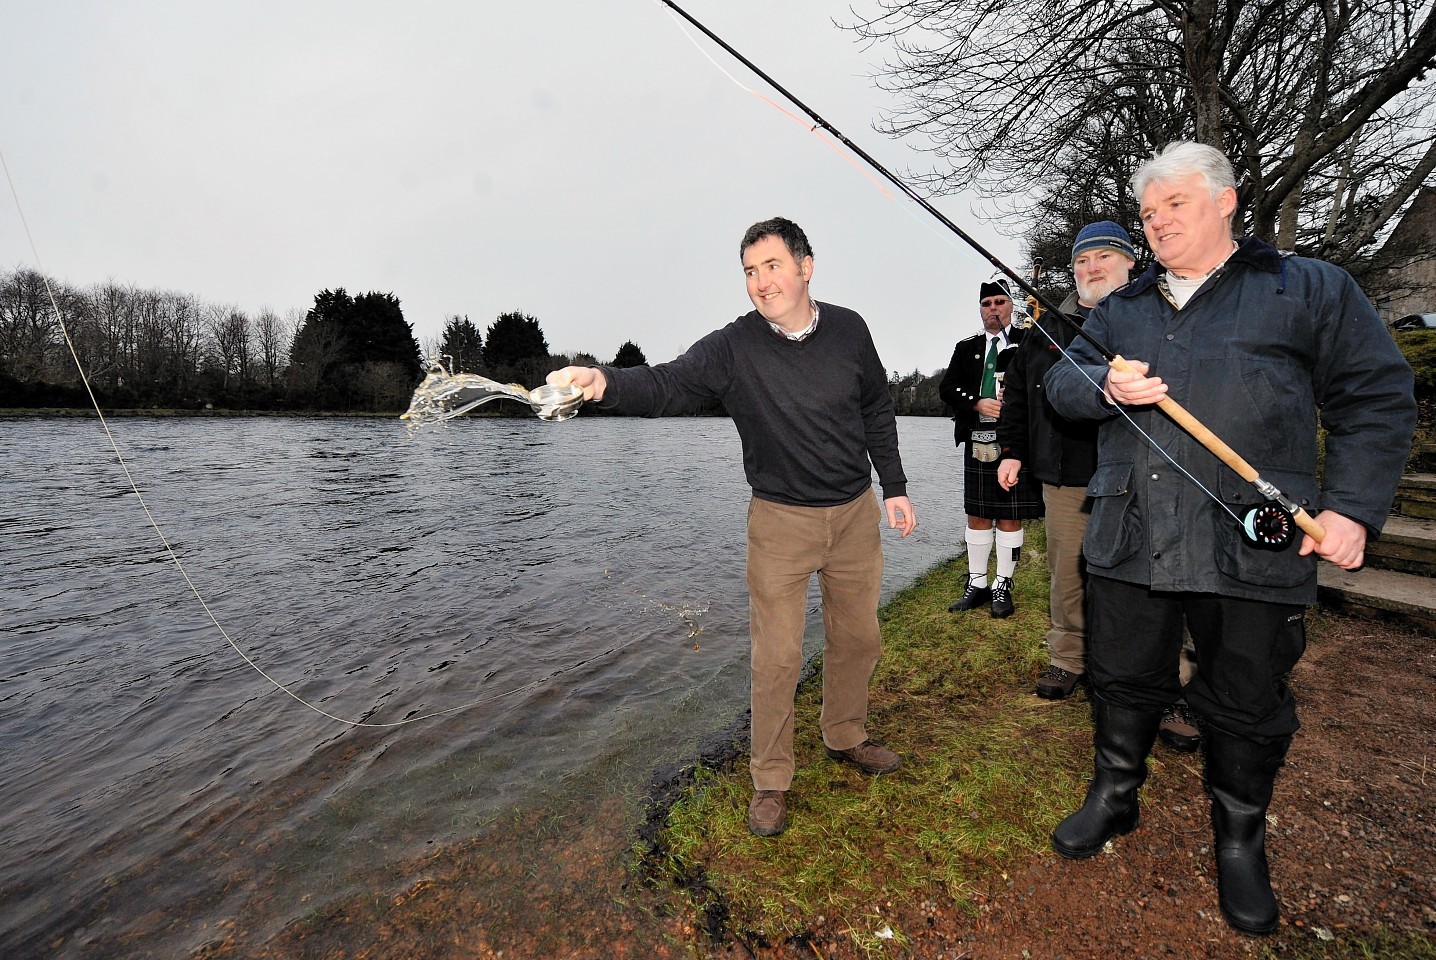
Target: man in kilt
<point x="972" y="386"/>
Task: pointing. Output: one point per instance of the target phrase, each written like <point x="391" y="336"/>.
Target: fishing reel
<point x="1268" y="526"/>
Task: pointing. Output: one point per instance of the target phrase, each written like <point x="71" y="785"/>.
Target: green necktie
<point x="989" y="372"/>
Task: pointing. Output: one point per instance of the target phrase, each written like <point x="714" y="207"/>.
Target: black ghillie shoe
<point x="972" y="597"/>
<point x="1002" y="605"/>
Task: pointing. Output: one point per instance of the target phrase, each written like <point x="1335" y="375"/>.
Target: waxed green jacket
<point x="1267" y="347"/>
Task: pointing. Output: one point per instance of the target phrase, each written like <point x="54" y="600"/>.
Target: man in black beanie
<point x="1059" y="453"/>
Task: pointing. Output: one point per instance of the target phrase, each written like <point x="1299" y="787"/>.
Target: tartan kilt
<point x="982" y="496"/>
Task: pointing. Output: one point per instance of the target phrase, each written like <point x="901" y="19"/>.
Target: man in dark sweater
<point x="809" y="396"/>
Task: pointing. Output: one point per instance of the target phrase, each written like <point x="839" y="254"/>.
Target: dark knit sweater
<point x="1052" y="448"/>
<point x="815" y="415"/>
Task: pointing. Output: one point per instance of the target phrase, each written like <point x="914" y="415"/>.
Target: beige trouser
<point x="1067" y="512"/>
<point x="786" y="546"/>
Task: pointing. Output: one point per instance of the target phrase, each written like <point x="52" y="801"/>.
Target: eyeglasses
<point x="996" y="302"/>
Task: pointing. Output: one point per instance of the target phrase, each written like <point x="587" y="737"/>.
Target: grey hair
<point x="1181" y="158"/>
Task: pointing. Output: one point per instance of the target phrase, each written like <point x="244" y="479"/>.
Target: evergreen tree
<point x="462" y="345"/>
<point x="629" y="355"/>
<point x="513" y="338"/>
<point x="353" y="352"/>
<point x="378" y="333"/>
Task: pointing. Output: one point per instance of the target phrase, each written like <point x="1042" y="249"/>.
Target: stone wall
<point x="1410" y="286"/>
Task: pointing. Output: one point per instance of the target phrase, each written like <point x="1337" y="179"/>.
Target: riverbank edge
<point x="176" y="413"/>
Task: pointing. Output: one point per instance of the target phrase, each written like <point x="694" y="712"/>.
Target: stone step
<point x="1379" y="595"/>
<point x="1416" y="496"/>
<point x="1425" y="456"/>
<point x="1407" y="544"/>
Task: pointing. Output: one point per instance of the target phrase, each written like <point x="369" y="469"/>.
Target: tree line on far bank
<point x="156" y="349"/>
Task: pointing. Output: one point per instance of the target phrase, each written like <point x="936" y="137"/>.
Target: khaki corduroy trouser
<point x="1067" y="512"/>
<point x="786" y="546"/>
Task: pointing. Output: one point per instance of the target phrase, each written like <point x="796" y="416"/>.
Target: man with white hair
<point x="1256" y="345"/>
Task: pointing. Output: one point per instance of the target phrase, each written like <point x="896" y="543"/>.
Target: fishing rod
<point x="1267" y="525"/>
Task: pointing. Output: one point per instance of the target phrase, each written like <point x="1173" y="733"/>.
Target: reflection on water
<point x="154" y="784"/>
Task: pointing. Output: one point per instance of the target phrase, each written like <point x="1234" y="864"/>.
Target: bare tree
<point x="1325" y="107"/>
<point x="30" y="338"/>
<point x="272" y="337"/>
<point x="229" y="341"/>
<point x="109" y="352"/>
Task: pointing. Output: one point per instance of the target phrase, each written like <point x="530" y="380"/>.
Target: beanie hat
<point x="1103" y="233"/>
<point x="993" y="288"/>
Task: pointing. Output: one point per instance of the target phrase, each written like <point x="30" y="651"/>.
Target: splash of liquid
<point x="444" y="395"/>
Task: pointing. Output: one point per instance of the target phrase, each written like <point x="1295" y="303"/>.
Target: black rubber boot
<point x="1239" y="778"/>
<point x="1123" y="738"/>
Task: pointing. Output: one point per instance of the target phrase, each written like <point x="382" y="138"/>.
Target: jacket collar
<point x="1255" y="253"/>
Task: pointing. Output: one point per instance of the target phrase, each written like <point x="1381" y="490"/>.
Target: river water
<point x="508" y="605"/>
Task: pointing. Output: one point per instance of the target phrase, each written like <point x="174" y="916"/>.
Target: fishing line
<point x="179" y="565"/>
<point x="810" y="127"/>
<point x="814" y="129"/>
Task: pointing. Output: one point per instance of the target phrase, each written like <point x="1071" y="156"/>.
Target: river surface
<point x="508" y="605"/>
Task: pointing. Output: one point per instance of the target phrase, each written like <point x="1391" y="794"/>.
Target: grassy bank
<point x="953" y="696"/>
<point x="871" y="866"/>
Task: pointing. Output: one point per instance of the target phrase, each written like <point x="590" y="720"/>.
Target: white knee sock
<point x="1009" y="545"/>
<point x="979" y="549"/>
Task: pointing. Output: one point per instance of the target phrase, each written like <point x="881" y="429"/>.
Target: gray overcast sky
<point x="582" y="162"/>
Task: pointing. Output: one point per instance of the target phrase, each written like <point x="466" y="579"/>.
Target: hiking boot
<point x="1178" y="729"/>
<point x="768" y="812"/>
<point x="972" y="597"/>
<point x="1056" y="684"/>
<point x="868" y="757"/>
<point x="1002" y="598"/>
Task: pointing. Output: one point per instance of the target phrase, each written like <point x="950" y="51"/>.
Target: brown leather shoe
<point x="768" y="812"/>
<point x="869" y="757"/>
